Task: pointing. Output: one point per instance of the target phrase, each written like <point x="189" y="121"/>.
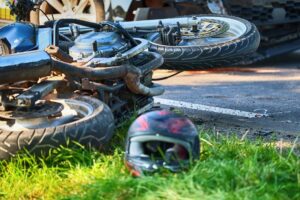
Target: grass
<point x="229" y="169"/>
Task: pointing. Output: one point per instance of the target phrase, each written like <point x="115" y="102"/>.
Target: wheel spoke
<point x="81" y="6"/>
<point x="67" y="4"/>
<point x="56" y="5"/>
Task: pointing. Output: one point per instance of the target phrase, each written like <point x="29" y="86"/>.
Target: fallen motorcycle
<point x="77" y="89"/>
<point x="75" y="80"/>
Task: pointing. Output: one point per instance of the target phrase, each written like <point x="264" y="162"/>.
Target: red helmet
<point x="161" y="139"/>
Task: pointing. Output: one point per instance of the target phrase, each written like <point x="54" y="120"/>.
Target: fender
<point x="20" y="36"/>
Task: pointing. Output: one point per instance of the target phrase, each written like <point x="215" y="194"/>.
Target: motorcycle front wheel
<point x="83" y="119"/>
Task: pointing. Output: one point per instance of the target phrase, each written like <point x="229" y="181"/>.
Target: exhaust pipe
<point x="37" y="64"/>
<point x="24" y="66"/>
<point x="130" y="73"/>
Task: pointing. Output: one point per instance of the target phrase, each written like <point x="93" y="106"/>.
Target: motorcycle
<point x="72" y="80"/>
<point x="72" y="85"/>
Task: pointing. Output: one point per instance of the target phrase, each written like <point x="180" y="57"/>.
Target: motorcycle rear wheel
<point x="92" y="125"/>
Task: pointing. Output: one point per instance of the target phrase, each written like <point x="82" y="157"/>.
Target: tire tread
<point x="94" y="131"/>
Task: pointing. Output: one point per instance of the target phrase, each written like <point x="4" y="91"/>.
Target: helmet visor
<point x="154" y="151"/>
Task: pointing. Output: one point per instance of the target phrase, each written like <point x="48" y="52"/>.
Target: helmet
<point x="161" y="140"/>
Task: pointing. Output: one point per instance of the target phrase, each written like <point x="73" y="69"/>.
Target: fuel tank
<point x="20" y="36"/>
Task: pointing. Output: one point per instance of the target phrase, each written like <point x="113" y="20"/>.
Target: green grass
<point x="229" y="169"/>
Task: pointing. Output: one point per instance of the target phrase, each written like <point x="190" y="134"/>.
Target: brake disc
<point x="205" y="28"/>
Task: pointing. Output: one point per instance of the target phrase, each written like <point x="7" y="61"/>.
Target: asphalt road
<point x="258" y="100"/>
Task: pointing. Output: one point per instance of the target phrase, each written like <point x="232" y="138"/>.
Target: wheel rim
<point x="59" y="9"/>
<point x="236" y="30"/>
<point x="74" y="111"/>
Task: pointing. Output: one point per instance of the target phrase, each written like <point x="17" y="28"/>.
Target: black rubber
<point x="93" y="131"/>
<point x="199" y="57"/>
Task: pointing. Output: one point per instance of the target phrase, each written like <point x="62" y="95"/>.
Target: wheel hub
<point x="205" y="28"/>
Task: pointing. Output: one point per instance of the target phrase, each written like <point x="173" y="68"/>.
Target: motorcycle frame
<point x="89" y="79"/>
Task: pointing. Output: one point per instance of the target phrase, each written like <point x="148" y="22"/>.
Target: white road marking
<point x="214" y="109"/>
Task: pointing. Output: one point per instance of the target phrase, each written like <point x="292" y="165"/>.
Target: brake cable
<point x="166" y="77"/>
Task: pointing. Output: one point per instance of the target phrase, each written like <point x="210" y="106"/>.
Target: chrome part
<point x="104" y="44"/>
<point x="152" y="24"/>
<point x="120" y="57"/>
<point x="72" y="110"/>
<point x="206" y="28"/>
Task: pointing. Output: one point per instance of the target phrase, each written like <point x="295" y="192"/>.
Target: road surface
<point x="258" y="100"/>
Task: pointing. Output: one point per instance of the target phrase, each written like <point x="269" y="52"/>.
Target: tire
<point x="209" y="56"/>
<point x="93" y="130"/>
<point x="97" y="7"/>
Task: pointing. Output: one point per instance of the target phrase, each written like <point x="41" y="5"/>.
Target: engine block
<point x="98" y="44"/>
